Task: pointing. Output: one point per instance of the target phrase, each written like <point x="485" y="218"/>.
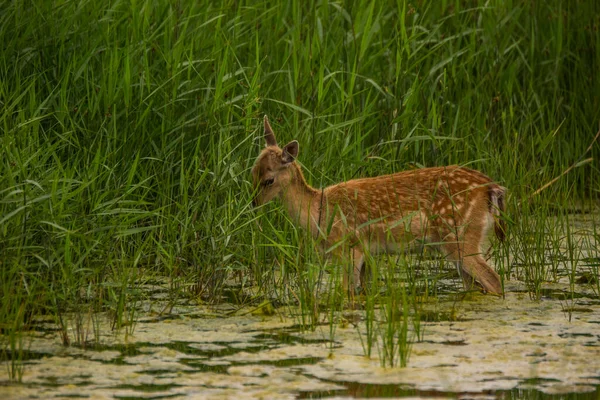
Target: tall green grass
<point x="128" y="129"/>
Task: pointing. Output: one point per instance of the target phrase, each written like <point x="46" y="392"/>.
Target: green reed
<point x="128" y="130"/>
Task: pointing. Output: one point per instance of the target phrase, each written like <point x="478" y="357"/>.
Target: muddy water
<point x="472" y="346"/>
<point x="480" y="347"/>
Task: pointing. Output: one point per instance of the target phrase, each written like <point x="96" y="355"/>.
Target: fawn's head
<point x="271" y="173"/>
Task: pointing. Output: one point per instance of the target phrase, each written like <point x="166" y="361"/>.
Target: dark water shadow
<point x="362" y="390"/>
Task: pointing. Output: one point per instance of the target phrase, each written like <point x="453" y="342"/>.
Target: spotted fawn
<point x="452" y="207"/>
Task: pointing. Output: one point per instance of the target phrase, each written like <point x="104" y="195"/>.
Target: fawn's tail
<point x="497" y="194"/>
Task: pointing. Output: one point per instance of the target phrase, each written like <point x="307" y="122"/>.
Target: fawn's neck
<point x="301" y="200"/>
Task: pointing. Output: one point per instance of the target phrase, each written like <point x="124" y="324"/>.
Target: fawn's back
<point x="438" y="204"/>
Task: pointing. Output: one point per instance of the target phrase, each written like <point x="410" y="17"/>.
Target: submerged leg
<point x="473" y="268"/>
<point x="353" y="266"/>
<point x="366" y="274"/>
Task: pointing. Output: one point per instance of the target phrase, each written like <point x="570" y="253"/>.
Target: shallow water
<point x="472" y="346"/>
<point x="479" y="347"/>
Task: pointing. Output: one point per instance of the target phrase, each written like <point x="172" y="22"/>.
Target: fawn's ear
<point x="290" y="152"/>
<point x="269" y="135"/>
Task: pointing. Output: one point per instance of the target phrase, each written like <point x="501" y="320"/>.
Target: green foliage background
<point x="128" y="128"/>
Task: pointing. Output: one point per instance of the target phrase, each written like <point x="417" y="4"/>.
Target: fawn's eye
<point x="268" y="182"/>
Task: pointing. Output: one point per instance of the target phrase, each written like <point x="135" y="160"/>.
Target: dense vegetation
<point x="128" y="130"/>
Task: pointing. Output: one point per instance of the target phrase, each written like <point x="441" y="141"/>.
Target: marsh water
<point x="469" y="346"/>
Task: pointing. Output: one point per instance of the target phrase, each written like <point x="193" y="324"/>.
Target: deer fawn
<point x="452" y="207"/>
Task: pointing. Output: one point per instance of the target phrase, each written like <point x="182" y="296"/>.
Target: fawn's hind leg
<point x="473" y="268"/>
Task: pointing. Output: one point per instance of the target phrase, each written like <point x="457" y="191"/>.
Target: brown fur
<point x="454" y="207"/>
